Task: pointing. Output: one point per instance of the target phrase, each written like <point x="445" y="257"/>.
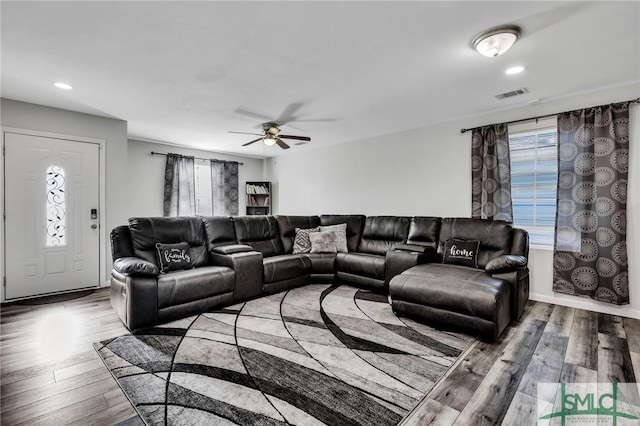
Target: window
<point x="534" y="176"/>
<point x="55" y="207"/>
<point x="204" y="205"/>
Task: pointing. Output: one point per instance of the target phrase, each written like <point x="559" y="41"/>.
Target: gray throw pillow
<point x="340" y="232"/>
<point x="322" y="242"/>
<point x="302" y="243"/>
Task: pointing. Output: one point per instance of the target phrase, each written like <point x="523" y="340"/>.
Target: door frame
<point x="102" y="235"/>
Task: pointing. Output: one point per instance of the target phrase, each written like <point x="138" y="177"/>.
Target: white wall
<point x="426" y="171"/>
<point x="146" y="175"/>
<point x="114" y="132"/>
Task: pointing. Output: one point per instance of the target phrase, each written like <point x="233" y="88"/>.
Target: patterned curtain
<point x="590" y="253"/>
<point x="179" y="186"/>
<point x="224" y="187"/>
<point x="491" y="173"/>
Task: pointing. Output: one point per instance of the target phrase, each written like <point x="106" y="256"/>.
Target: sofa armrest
<point x="135" y="266"/>
<point x="505" y="263"/>
<point x="399" y="260"/>
<point x="135" y="299"/>
<point x="248" y="268"/>
<point x="415" y="248"/>
<point x="233" y="248"/>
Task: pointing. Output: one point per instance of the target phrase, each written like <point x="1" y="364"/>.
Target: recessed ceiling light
<point x="514" y="70"/>
<point x="64" y="86"/>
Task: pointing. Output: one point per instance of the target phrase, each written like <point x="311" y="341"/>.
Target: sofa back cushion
<point x="383" y="233"/>
<point x="259" y="232"/>
<point x="424" y="231"/>
<point x="219" y="231"/>
<point x="147" y="231"/>
<point x="355" y="224"/>
<point x="495" y="236"/>
<point x="287" y="227"/>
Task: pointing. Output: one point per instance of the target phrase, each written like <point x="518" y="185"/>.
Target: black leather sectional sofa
<point x="239" y="258"/>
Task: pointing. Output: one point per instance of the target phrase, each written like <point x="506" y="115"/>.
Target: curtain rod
<point x="199" y="158"/>
<point x="536" y="118"/>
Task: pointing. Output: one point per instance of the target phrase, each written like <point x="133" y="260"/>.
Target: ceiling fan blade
<point x="253" y="141"/>
<point x="282" y="144"/>
<point x="251" y="114"/>
<point x="299" y="138"/>
<point x="246" y="133"/>
<point x="288" y="113"/>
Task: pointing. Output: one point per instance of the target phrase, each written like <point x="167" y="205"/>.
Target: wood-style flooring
<point x="50" y="373"/>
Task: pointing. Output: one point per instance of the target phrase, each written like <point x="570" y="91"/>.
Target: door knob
<point x="94" y="226"/>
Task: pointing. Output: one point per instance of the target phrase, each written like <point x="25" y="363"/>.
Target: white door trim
<point x="103" y="245"/>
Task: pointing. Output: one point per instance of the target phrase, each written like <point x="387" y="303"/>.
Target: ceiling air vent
<point x="512" y="93"/>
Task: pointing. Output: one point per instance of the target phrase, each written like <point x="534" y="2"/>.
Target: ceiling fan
<point x="271" y="136"/>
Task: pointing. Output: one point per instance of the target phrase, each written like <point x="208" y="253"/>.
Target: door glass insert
<point x="56" y="207"/>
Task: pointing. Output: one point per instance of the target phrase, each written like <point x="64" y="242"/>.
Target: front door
<point x="52" y="240"/>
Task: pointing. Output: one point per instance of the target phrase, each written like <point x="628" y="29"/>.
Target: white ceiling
<point x="187" y="72"/>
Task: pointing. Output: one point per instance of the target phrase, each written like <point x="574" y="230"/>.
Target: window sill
<point x="540" y="247"/>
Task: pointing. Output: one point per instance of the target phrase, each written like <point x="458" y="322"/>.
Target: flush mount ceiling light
<point x="63" y="86"/>
<point x="496" y="41"/>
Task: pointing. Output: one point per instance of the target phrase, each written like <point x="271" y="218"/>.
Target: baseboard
<point x="588" y="305"/>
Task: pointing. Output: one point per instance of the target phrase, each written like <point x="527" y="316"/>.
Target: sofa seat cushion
<point x="368" y="265"/>
<point x="451" y="288"/>
<point x="278" y="268"/>
<point x="179" y="287"/>
<point x="322" y="263"/>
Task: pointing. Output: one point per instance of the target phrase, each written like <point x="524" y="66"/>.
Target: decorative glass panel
<point x="56" y="207"/>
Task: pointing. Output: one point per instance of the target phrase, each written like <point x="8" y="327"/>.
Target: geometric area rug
<point x="319" y="354"/>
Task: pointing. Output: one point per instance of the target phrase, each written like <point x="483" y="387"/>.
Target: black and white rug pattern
<point x="319" y="354"/>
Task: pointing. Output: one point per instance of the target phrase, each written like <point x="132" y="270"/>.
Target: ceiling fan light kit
<point x="270" y="136"/>
<point x="496" y="41"/>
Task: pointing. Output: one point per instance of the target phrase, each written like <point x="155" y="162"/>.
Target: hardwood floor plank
<point x="582" y="348"/>
<point x="57" y="402"/>
<point x="30" y="383"/>
<point x="614" y="360"/>
<point x="37" y="395"/>
<point x="458" y="388"/>
<point x="431" y="413"/>
<point x="632" y="331"/>
<point x="615" y="365"/>
<point x="548" y="358"/>
<point x="561" y="320"/>
<point x="111" y="416"/>
<point x="611" y="324"/>
<point x="576" y="374"/>
<point x="75" y="370"/>
<point x="635" y="362"/>
<point x="68" y="414"/>
<point x="522" y="411"/>
<point x="491" y="400"/>
<point x="14" y="375"/>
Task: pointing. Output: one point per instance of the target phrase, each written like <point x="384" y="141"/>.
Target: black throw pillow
<point x="461" y="252"/>
<point x="174" y="257"/>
